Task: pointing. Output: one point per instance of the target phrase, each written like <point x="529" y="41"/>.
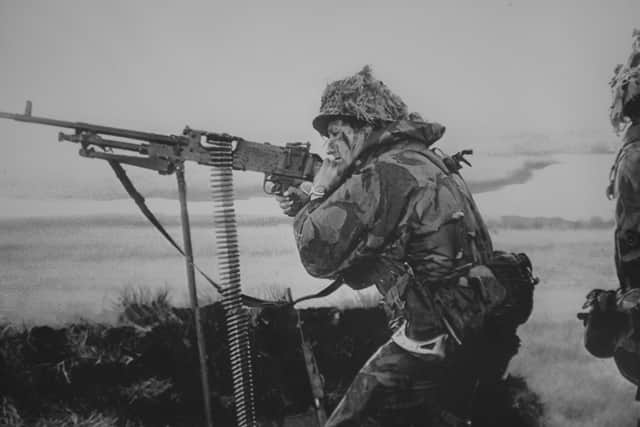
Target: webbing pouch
<point x="464" y="302"/>
<point x="515" y="272"/>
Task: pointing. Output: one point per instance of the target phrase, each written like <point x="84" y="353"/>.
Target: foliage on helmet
<point x="361" y="97"/>
<point x="625" y="87"/>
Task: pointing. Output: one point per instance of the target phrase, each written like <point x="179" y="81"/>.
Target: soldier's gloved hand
<point x="601" y="301"/>
<point x="294" y="198"/>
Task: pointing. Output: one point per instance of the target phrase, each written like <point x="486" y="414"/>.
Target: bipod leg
<point x="193" y="295"/>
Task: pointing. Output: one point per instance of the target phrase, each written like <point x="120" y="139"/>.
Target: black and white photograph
<point x="320" y="214"/>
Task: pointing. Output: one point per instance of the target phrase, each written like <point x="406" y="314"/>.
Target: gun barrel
<point x="88" y="127"/>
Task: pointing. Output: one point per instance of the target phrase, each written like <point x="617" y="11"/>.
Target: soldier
<point x="386" y="210"/>
<point x="625" y="112"/>
<point x="612" y="324"/>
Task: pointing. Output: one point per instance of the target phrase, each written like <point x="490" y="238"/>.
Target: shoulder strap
<point x="613" y="172"/>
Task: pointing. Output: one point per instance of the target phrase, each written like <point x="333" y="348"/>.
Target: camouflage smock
<point x="401" y="207"/>
<point x="612" y="331"/>
<point x="626" y="173"/>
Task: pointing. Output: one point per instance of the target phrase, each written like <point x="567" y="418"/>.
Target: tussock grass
<point x="9" y="415"/>
<point x="144" y="308"/>
<point x="71" y="419"/>
<point x="152" y="389"/>
<point x="145" y="372"/>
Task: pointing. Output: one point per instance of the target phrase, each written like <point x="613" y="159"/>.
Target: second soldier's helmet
<point x="625" y="86"/>
<point x="360" y="97"/>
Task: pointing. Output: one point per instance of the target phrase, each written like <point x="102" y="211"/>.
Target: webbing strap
<point x="247" y="300"/>
<point x="323" y="293"/>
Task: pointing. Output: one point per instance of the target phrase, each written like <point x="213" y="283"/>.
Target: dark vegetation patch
<point x="119" y="220"/>
<point x="518" y="176"/>
<point x="515" y="222"/>
<point x="143" y="371"/>
<point x="505" y="222"/>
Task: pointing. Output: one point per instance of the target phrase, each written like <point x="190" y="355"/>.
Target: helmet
<point x="359" y="97"/>
<point x="625" y="87"/>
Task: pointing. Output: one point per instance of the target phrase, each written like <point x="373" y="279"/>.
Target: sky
<point x="257" y="69"/>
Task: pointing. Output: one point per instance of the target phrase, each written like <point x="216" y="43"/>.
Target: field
<point x="65" y="259"/>
<point x="578" y="389"/>
<point x="55" y="271"/>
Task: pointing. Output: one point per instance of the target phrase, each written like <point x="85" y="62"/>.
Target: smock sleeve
<point x="354" y="221"/>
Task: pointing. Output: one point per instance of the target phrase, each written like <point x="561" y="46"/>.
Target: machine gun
<point x="283" y="166"/>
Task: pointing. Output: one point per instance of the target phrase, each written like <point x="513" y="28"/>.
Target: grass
<point x="577" y="389"/>
<point x="50" y="272"/>
<point x="58" y="272"/>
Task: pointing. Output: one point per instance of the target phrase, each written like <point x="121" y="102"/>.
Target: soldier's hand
<point x="600" y="301"/>
<point x="294" y="198"/>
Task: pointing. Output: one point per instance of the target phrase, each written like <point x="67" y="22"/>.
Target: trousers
<point x="397" y="388"/>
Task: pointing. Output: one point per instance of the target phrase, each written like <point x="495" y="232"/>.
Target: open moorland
<point x="57" y="267"/>
<point x="58" y="271"/>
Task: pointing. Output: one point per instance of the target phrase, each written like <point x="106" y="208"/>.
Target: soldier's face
<point x="341" y="138"/>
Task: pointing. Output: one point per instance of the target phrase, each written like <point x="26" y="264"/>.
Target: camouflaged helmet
<point x="625" y="87"/>
<point x="361" y="97"/>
